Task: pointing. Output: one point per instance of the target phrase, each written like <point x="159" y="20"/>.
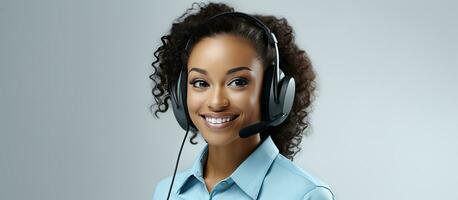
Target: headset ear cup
<point x="287" y="94"/>
<point x="179" y="109"/>
<point x="184" y="92"/>
<point x="286" y="87"/>
<point x="267" y="95"/>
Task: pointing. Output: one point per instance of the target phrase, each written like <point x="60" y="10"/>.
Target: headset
<point x="277" y="96"/>
<point x="277" y="91"/>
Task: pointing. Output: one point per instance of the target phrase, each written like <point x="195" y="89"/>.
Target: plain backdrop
<point x="75" y="92"/>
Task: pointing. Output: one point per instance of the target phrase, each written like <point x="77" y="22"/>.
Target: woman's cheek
<point x="246" y="101"/>
<point x="243" y="99"/>
<point x="194" y="100"/>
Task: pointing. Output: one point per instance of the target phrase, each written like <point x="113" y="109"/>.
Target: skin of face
<point x="217" y="92"/>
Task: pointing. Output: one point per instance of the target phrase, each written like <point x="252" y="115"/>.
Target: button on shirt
<point x="264" y="174"/>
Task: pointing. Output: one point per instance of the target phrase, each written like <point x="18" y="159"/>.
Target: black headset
<point x="277" y="91"/>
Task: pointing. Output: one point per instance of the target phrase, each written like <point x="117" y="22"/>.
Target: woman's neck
<point x="223" y="160"/>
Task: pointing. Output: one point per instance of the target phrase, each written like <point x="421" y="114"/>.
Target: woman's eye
<point x="240" y="82"/>
<point x="198" y="83"/>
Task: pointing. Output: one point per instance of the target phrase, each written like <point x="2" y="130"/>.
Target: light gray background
<point x="75" y="92"/>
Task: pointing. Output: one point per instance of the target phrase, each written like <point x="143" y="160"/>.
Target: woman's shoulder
<point x="290" y="178"/>
<point x="162" y="187"/>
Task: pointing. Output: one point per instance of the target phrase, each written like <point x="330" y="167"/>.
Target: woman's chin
<point x="219" y="138"/>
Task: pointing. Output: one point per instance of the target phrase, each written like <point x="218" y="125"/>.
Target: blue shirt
<point x="264" y="174"/>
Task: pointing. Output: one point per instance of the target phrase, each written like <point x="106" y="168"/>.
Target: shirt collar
<point x="196" y="170"/>
<point x="249" y="175"/>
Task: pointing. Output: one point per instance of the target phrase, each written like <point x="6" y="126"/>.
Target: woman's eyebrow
<point x="233" y="70"/>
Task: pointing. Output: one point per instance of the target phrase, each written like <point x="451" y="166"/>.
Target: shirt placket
<point x="219" y="188"/>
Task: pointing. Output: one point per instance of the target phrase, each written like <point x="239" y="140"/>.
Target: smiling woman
<point x="226" y="74"/>
<point x="227" y="91"/>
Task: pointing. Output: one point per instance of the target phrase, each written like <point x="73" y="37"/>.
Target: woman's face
<point x="224" y="83"/>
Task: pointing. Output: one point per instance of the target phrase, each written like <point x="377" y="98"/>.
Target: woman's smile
<point x="218" y="122"/>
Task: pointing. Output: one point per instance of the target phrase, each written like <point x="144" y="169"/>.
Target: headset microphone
<point x="259" y="126"/>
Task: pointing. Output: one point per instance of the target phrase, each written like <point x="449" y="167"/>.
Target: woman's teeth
<point x="218" y="120"/>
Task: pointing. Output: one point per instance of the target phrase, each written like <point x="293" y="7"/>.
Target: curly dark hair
<point x="293" y="61"/>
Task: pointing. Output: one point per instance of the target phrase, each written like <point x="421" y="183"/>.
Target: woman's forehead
<point x="223" y="51"/>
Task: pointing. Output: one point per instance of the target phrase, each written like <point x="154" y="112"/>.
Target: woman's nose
<point x="218" y="100"/>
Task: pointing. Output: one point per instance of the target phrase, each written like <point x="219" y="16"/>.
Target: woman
<point x="219" y="66"/>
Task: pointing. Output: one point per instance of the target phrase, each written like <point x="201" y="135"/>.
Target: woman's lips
<point x="220" y="126"/>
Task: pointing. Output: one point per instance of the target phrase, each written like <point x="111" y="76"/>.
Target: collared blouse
<point x="264" y="174"/>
